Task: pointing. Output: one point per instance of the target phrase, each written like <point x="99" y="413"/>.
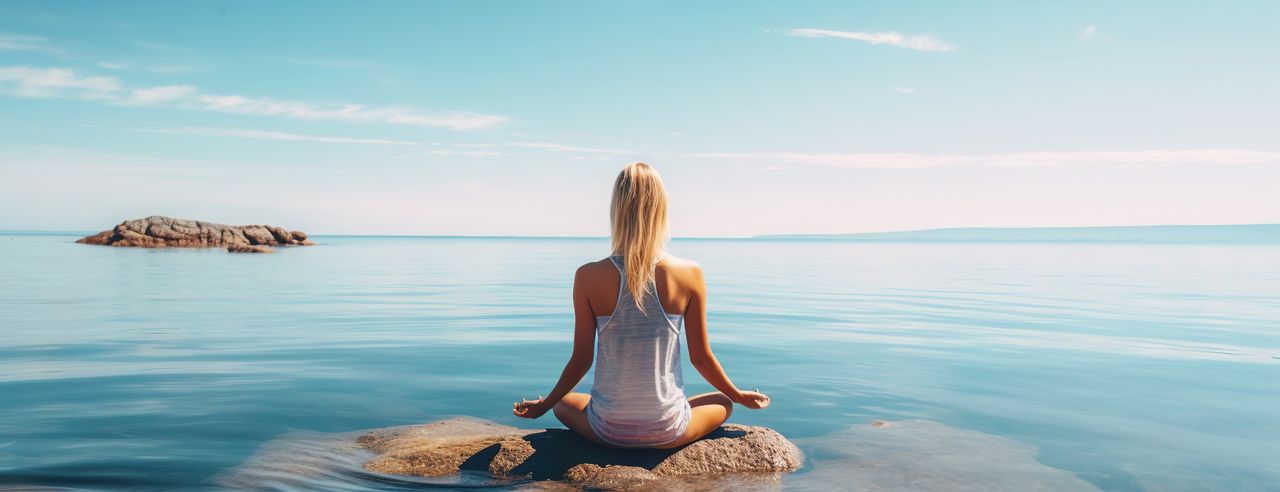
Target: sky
<point x="512" y="118"/>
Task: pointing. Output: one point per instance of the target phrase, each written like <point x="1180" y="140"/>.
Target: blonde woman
<point x="633" y="303"/>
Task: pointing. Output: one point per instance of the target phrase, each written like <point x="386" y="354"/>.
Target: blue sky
<point x="763" y="117"/>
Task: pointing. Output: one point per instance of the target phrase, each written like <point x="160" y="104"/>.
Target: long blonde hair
<point x="638" y="218"/>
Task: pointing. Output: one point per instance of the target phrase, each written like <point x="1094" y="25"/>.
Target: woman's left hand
<point x="531" y="409"/>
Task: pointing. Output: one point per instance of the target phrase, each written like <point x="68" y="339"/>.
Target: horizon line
<point x="753" y="236"/>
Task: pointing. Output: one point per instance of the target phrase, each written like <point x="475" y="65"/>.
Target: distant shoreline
<point x="1241" y="233"/>
<point x="1188" y="234"/>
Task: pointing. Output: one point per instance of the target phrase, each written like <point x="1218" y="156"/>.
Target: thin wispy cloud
<point x="334" y="63"/>
<point x="22" y="42"/>
<point x="268" y="135"/>
<point x="153" y="68"/>
<point x="459" y="150"/>
<point x="904" y="90"/>
<point x="158" y="46"/>
<point x="466" y="153"/>
<point x="1090" y="33"/>
<point x="549" y="147"/>
<point x="60" y="82"/>
<point x="155" y="95"/>
<point x="56" y="82"/>
<point x="1024" y="159"/>
<point x="919" y="42"/>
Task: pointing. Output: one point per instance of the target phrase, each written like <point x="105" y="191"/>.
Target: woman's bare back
<point x="676" y="279"/>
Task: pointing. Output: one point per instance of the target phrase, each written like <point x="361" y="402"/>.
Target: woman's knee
<point x="559" y="410"/>
<point x="714" y="398"/>
<point x="571" y="403"/>
<point x="562" y="410"/>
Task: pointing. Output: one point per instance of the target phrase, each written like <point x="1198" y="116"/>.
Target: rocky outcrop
<point x="734" y="452"/>
<point x="166" y="232"/>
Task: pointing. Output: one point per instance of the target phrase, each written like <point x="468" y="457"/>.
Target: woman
<point x="634" y="301"/>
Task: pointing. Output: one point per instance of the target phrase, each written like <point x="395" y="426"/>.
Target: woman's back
<point x="673" y="277"/>
<point x="638" y="394"/>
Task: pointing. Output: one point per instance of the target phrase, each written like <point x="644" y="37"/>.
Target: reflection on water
<point x="318" y="461"/>
<point x="924" y="455"/>
<point x="1131" y="367"/>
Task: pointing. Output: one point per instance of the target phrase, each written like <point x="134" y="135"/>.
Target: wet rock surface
<point x="248" y="248"/>
<point x="167" y="232"/>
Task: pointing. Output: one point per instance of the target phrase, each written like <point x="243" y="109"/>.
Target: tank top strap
<point x="625" y="299"/>
<point x="617" y="263"/>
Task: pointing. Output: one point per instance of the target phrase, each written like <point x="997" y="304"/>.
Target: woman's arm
<point x="584" y="344"/>
<point x="695" y="318"/>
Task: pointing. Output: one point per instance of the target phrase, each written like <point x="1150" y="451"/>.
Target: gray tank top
<point x="638" y="395"/>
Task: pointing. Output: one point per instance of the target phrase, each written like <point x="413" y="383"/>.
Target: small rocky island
<point x="158" y="231"/>
<point x="733" y="454"/>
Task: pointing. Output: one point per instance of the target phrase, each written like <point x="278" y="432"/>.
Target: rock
<point x="160" y="232"/>
<point x="249" y="248"/>
<point x="449" y="446"/>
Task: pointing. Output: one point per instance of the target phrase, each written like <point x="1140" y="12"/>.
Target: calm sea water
<point x="1115" y="366"/>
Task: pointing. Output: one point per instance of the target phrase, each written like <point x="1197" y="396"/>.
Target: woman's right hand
<point x="754" y="400"/>
<point x="531" y="409"/>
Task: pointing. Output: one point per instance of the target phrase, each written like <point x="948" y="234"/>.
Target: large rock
<point x="159" y="231"/>
<point x="735" y="452"/>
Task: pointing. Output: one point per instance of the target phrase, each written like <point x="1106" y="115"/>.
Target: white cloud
<point x="466" y="153"/>
<point x="357" y="113"/>
<point x="160" y="69"/>
<point x="21" y="42"/>
<point x="334" y="63"/>
<point x="456" y="150"/>
<point x="1090" y="33"/>
<point x="153" y="95"/>
<point x="549" y="147"/>
<point x="920" y="42"/>
<point x="904" y="90"/>
<point x="267" y="135"/>
<point x="55" y="82"/>
<point x="1024" y="159"/>
<point x="159" y="46"/>
<point x="60" y="82"/>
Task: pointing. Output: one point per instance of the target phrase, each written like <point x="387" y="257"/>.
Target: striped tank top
<point x="638" y="397"/>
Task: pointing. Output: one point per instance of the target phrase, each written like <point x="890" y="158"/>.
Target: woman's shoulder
<point x="601" y="267"/>
<point x="676" y="262"/>
<point x="671" y="264"/>
<point x="681" y="268"/>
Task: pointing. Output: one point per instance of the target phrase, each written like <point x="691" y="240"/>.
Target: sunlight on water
<point x="1118" y="367"/>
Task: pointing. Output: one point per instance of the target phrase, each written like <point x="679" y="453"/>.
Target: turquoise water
<point x="1125" y="366"/>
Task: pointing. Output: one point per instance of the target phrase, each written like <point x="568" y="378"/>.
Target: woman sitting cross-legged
<point x="628" y="309"/>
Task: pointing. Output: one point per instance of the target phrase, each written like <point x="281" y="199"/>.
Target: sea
<point x="1044" y="365"/>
